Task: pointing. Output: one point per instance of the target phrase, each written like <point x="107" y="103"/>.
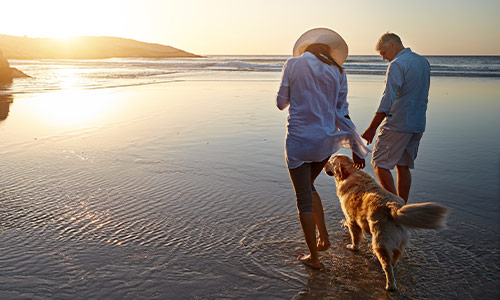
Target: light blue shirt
<point x="406" y="93"/>
<point x="316" y="94"/>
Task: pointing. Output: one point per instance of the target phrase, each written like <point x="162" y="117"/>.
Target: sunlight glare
<point x="73" y="107"/>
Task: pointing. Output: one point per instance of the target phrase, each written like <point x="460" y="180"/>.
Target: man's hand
<point x="369" y="134"/>
<point x="359" y="163"/>
<point x="370" y="131"/>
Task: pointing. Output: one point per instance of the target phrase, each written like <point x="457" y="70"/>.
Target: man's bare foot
<point x="306" y="260"/>
<point x="323" y="244"/>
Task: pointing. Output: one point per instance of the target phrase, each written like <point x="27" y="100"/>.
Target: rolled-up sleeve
<point x="393" y="83"/>
<point x="283" y="95"/>
<point x="342" y="104"/>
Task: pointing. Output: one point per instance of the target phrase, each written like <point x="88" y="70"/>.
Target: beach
<point x="179" y="190"/>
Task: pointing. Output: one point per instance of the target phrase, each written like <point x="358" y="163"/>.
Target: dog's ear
<point x="341" y="172"/>
<point x="344" y="173"/>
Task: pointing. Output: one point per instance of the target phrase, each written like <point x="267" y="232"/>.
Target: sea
<point x="139" y="178"/>
<point x="50" y="74"/>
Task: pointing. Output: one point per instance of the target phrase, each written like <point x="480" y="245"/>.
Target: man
<point x="401" y="113"/>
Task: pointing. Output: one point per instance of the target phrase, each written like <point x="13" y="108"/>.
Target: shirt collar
<point x="307" y="53"/>
<point x="405" y="50"/>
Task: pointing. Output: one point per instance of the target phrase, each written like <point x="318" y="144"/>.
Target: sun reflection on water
<point x="68" y="78"/>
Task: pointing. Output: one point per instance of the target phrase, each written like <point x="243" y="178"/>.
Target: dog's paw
<point x="343" y="222"/>
<point x="352" y="247"/>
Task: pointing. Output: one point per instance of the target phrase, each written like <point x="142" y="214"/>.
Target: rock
<point x="5" y="70"/>
<point x="7" y="73"/>
<point x="16" y="73"/>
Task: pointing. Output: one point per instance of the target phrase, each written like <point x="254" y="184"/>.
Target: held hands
<point x="359" y="163"/>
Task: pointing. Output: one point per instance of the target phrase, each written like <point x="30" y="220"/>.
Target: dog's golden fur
<point x="369" y="208"/>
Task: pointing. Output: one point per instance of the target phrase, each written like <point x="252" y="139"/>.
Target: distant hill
<point x="86" y="47"/>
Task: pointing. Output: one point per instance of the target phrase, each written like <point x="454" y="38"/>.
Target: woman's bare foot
<point x="323" y="244"/>
<point x="306" y="260"/>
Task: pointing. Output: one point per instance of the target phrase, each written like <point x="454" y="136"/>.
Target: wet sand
<point x="180" y="191"/>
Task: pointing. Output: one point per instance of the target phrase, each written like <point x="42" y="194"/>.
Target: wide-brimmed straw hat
<point x="338" y="47"/>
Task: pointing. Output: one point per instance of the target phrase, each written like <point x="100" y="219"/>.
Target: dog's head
<point x="339" y="166"/>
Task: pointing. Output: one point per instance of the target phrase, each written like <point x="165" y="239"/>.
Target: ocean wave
<point x="54" y="74"/>
<point x="464" y="74"/>
<point x="364" y="66"/>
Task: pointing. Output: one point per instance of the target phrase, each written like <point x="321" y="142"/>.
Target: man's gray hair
<point x="387" y="37"/>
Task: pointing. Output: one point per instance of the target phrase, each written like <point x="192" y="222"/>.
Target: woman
<point x="314" y="86"/>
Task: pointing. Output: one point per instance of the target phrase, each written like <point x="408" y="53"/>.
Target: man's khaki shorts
<point x="395" y="148"/>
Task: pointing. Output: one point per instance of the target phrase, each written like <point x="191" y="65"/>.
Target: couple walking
<point x="314" y="87"/>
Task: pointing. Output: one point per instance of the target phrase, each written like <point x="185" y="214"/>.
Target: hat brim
<point x="338" y="47"/>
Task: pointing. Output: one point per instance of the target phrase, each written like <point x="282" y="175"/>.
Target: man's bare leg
<point x="385" y="178"/>
<point x="404" y="182"/>
<point x="319" y="218"/>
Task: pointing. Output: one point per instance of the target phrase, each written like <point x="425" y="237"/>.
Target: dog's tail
<point x="427" y="215"/>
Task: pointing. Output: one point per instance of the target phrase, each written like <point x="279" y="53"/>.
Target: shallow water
<point x="61" y="74"/>
<point x="180" y="191"/>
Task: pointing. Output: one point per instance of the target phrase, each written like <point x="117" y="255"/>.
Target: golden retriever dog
<point x="371" y="209"/>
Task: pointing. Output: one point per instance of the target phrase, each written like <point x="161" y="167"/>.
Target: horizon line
<point x="193" y="52"/>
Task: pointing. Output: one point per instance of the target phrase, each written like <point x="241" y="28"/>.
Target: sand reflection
<point x="5" y="103"/>
<point x="71" y="107"/>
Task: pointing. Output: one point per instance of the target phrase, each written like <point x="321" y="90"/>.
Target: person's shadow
<point x="6" y="101"/>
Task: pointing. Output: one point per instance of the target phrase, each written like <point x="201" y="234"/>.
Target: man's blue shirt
<point x="406" y="93"/>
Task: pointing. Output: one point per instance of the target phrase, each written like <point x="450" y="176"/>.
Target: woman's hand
<point x="359" y="163"/>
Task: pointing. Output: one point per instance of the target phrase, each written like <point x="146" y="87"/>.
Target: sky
<point x="264" y="27"/>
